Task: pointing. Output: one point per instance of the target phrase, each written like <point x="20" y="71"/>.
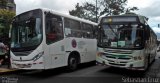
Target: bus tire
<point x="72" y="63"/>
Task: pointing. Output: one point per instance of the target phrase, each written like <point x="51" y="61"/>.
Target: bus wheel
<point x="72" y="63"/>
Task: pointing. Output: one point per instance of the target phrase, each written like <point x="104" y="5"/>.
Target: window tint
<point x="54" y="28"/>
<point x="78" y="29"/>
<point x="95" y="32"/>
<point x="87" y="30"/>
<point x="72" y="28"/>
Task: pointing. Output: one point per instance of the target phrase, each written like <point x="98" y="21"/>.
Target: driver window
<point x="54" y="28"/>
<point x="139" y="36"/>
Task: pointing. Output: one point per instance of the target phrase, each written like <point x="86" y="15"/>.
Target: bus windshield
<point x="121" y="36"/>
<point x="26" y="31"/>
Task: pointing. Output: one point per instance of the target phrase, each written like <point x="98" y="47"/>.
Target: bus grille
<point x="112" y="57"/>
<point x="117" y="64"/>
<point x="25" y="53"/>
<point x="118" y="54"/>
<point x="119" y="51"/>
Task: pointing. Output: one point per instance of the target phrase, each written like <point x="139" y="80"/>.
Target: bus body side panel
<point x="57" y="54"/>
<point x="92" y="49"/>
<point x="47" y="57"/>
<point x="147" y="51"/>
<point x="69" y="48"/>
<point x="150" y="48"/>
<point x="85" y="47"/>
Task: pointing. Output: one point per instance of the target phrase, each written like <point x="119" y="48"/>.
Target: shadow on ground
<point x="52" y="72"/>
<point x="123" y="72"/>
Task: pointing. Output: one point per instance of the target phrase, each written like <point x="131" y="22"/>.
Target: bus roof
<point x="64" y="15"/>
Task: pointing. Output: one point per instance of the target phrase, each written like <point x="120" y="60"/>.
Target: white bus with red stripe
<point x="45" y="39"/>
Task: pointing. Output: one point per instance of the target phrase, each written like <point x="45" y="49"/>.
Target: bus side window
<point x="72" y="28"/>
<point x="54" y="28"/>
<point x="95" y="32"/>
<point x="87" y="30"/>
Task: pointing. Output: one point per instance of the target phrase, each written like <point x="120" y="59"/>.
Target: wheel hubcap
<point x="73" y="63"/>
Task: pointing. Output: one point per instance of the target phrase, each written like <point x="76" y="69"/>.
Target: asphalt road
<point x="86" y="73"/>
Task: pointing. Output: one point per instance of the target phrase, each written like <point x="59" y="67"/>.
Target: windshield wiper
<point x="113" y="30"/>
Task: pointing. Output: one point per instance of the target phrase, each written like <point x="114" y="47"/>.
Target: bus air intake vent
<point x="25" y="53"/>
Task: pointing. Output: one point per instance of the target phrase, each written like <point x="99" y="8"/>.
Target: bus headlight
<point x="138" y="58"/>
<point x="38" y="56"/>
<point x="100" y="54"/>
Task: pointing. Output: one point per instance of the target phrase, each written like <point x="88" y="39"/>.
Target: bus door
<point x="54" y="36"/>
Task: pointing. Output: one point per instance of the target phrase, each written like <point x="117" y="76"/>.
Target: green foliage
<point x="3" y="3"/>
<point x="90" y="11"/>
<point x="6" y="17"/>
<point x="87" y="11"/>
<point x="78" y="12"/>
<point x="131" y="9"/>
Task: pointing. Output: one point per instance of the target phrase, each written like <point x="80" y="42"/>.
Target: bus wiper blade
<point x="113" y="30"/>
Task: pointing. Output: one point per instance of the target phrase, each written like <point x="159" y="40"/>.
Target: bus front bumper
<point x="28" y="65"/>
<point x="130" y="64"/>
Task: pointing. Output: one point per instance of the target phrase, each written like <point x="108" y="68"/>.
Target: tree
<point x="6" y="17"/>
<point x="3" y="4"/>
<point x="131" y="9"/>
<point x="84" y="11"/>
<point x="78" y="11"/>
<point x="89" y="10"/>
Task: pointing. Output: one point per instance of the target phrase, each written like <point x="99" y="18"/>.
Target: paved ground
<point x="6" y="69"/>
<point x="87" y="73"/>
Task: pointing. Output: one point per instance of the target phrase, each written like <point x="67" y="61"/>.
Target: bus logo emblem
<point x="74" y="43"/>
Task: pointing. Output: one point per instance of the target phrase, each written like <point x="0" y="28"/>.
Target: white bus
<point x="126" y="41"/>
<point x="45" y="39"/>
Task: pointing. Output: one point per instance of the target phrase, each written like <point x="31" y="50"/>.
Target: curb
<point x="7" y="71"/>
